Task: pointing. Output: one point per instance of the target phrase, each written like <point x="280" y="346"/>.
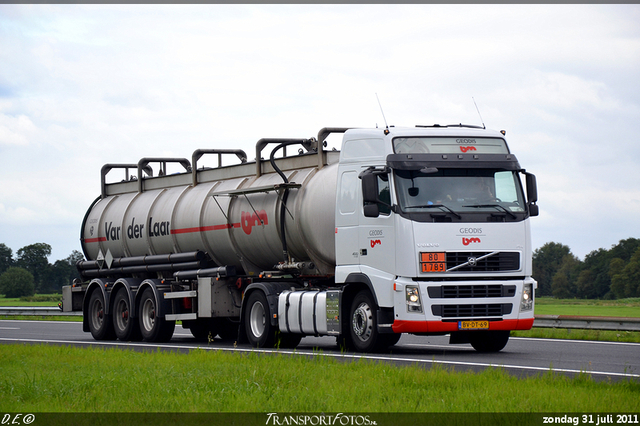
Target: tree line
<point x="604" y="274"/>
<point x="31" y="272"/>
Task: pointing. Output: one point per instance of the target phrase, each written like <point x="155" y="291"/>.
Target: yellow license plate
<point x="473" y="325"/>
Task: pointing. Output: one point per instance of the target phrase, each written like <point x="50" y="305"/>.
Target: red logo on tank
<point x="248" y="220"/>
<point x="375" y="243"/>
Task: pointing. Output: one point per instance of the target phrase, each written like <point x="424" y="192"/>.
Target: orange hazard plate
<point x="473" y="325"/>
<point x="434" y="267"/>
<point x="433" y="262"/>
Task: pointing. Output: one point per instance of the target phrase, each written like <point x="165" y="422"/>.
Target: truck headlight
<point x="526" y="304"/>
<point x="414" y="304"/>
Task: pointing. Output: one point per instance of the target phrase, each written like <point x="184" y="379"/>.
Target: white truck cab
<point x="437" y="220"/>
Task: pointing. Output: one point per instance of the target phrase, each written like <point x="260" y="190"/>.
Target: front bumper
<point x="442" y="304"/>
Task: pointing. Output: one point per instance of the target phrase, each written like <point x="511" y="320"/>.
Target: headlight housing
<point x="526" y="303"/>
<point x="414" y="303"/>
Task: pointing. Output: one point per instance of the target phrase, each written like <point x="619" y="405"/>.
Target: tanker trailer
<point x="404" y="230"/>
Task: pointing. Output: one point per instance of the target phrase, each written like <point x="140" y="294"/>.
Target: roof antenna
<point x="481" y="120"/>
<point x="386" y="131"/>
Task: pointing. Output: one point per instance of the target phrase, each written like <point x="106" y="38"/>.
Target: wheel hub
<point x="362" y="322"/>
<point x="257" y="319"/>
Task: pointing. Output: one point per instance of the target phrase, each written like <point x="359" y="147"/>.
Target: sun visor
<point x="449" y="145"/>
<point x="472" y="161"/>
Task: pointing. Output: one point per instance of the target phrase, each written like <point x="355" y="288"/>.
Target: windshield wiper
<point x="430" y="206"/>
<point x="498" y="206"/>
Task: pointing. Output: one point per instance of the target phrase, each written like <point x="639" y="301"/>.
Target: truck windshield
<point x="460" y="190"/>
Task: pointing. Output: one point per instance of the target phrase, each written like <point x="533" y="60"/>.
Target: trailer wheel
<point x="100" y="323"/>
<point x="260" y="332"/>
<point x="152" y="327"/>
<point x="126" y="328"/>
<point x="489" y="341"/>
<point x="363" y="327"/>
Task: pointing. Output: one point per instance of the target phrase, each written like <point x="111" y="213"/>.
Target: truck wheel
<point x="152" y="327"/>
<point x="99" y="322"/>
<point x="490" y="341"/>
<point x="260" y="332"/>
<point x="126" y="328"/>
<point x="363" y="327"/>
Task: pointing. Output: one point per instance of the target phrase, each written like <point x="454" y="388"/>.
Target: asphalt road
<point x="521" y="357"/>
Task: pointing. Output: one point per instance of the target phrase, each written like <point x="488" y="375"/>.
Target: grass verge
<point x="590" y="308"/>
<point x="41" y="378"/>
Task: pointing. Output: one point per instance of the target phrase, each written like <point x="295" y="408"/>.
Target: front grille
<point x="471" y="291"/>
<point x="500" y="261"/>
<point x="471" y="311"/>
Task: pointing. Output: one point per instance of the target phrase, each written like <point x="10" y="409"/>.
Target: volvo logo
<point x="472" y="261"/>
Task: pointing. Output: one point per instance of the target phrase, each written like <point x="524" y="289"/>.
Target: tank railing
<point x="127" y="177"/>
<point x="198" y="153"/>
<point x="308" y="144"/>
<point x="326" y="131"/>
<point x="144" y="163"/>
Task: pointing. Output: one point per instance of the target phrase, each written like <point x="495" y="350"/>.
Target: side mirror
<point x="369" y="188"/>
<point x="532" y="194"/>
<point x="532" y="188"/>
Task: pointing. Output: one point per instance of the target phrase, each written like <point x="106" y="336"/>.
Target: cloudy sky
<point x="85" y="85"/>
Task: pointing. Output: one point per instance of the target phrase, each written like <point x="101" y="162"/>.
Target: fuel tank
<point x="233" y="216"/>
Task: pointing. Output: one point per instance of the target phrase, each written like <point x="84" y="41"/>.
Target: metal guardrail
<point x="36" y="311"/>
<point x="543" y="321"/>
<point x="587" y="323"/>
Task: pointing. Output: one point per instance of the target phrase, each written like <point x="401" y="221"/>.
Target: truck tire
<point x="125" y="326"/>
<point x="152" y="327"/>
<point x="260" y="332"/>
<point x="489" y="341"/>
<point x="99" y="321"/>
<point x="363" y="327"/>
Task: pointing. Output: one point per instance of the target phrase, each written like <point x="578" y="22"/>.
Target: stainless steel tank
<point x="223" y="217"/>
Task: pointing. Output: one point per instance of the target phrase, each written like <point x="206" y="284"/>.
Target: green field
<point x="41" y="378"/>
<point x="37" y="300"/>
<point x="629" y="308"/>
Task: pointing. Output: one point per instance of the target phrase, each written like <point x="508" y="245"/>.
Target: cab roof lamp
<point x="504" y="132"/>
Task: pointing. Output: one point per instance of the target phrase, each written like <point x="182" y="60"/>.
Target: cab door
<point x="377" y="239"/>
